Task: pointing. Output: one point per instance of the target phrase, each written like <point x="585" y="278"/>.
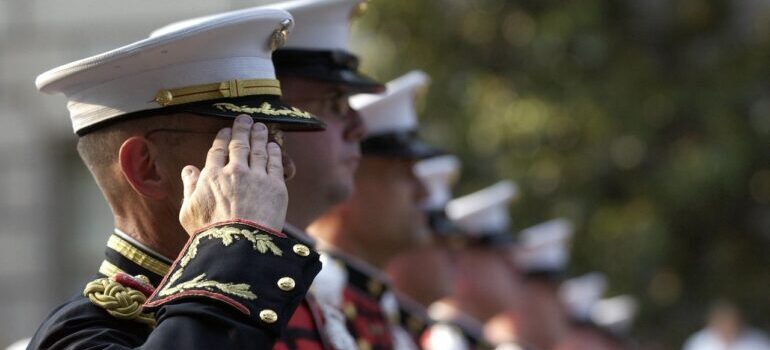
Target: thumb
<point x="190" y="179"/>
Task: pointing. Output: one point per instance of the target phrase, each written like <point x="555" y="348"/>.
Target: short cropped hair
<point x="100" y="147"/>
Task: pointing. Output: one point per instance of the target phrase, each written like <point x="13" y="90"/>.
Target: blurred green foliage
<point x="645" y="122"/>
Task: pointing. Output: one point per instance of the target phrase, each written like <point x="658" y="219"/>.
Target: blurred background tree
<point x="647" y="123"/>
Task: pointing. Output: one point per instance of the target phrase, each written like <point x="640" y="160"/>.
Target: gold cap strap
<point x="227" y="88"/>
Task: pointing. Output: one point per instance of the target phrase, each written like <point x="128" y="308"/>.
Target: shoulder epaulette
<point x="122" y="296"/>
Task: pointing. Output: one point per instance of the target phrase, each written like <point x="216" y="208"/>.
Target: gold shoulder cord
<point x="118" y="300"/>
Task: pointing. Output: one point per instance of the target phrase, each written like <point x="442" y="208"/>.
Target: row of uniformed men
<point x="497" y="289"/>
<point x="263" y="163"/>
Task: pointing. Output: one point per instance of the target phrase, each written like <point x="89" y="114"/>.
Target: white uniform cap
<point x="393" y="111"/>
<point x="615" y="314"/>
<point x="580" y="294"/>
<point x="438" y="174"/>
<point x="320" y="24"/>
<point x="543" y="247"/>
<point x="231" y="52"/>
<point x="318" y="48"/>
<point x="484" y="211"/>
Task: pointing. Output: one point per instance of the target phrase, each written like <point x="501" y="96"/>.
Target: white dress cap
<point x="580" y="294"/>
<point x="232" y="51"/>
<point x="393" y="111"/>
<point x="438" y="174"/>
<point x="615" y="314"/>
<point x="543" y="247"/>
<point x="320" y="24"/>
<point x="484" y="211"/>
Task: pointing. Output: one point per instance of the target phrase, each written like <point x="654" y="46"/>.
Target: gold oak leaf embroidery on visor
<point x="265" y="108"/>
<point x="262" y="243"/>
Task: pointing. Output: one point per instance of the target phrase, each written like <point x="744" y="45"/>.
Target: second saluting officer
<point x="382" y="218"/>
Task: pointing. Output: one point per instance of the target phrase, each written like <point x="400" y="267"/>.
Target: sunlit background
<point x="647" y="123"/>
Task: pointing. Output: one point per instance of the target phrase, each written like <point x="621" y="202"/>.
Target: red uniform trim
<point x="201" y="293"/>
<point x="242" y="222"/>
<point x="133" y="283"/>
<point x="370" y="322"/>
<point x="303" y="331"/>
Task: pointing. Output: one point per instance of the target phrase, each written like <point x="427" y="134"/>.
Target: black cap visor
<point x="493" y="239"/>
<point x="268" y="109"/>
<point x="546" y="275"/>
<point x="440" y="224"/>
<point x="405" y="145"/>
<point x="334" y="66"/>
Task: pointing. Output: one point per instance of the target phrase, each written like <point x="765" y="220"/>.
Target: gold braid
<point x="119" y="301"/>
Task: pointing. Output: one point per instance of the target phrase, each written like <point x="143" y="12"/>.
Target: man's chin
<point x="417" y="238"/>
<point x="341" y="191"/>
<point x="422" y="239"/>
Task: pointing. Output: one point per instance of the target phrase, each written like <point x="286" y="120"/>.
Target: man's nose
<point x="355" y="130"/>
<point x="421" y="191"/>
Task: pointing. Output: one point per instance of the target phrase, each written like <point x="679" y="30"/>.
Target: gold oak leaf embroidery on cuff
<point x="262" y="243"/>
<point x="238" y="289"/>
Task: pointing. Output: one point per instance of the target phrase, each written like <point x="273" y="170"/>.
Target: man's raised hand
<point x="242" y="179"/>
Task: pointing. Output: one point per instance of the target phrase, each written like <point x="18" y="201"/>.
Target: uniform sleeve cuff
<point x="262" y="274"/>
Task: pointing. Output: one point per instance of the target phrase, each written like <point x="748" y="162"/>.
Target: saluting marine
<point x="382" y="218"/>
<point x="426" y="274"/>
<point x="147" y="112"/>
<point x="595" y="323"/>
<point x="482" y="284"/>
<point x="423" y="274"/>
<point x="319" y="73"/>
<point x="536" y="316"/>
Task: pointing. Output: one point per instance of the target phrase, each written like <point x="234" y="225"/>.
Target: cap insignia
<point x="360" y="9"/>
<point x="279" y="36"/>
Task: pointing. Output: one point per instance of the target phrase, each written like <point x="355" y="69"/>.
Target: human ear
<point x="140" y="169"/>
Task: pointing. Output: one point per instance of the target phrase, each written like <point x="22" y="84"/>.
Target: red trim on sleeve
<point x="200" y="293"/>
<point x="242" y="222"/>
<point x="182" y="252"/>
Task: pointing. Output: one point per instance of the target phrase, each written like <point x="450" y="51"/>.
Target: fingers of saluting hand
<point x="275" y="161"/>
<point x="190" y="176"/>
<point x="243" y="145"/>
<point x="217" y="156"/>
<point x="258" y="154"/>
<point x="240" y="144"/>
